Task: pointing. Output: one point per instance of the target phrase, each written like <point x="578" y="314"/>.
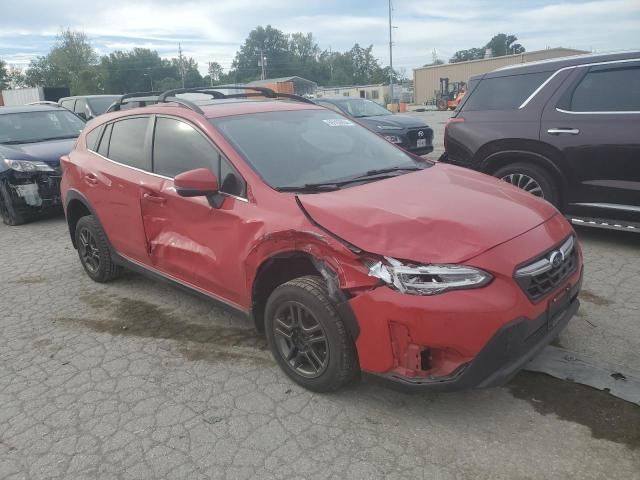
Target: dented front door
<point x="194" y="243"/>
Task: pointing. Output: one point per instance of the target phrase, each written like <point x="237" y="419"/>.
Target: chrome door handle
<point x="558" y="131"/>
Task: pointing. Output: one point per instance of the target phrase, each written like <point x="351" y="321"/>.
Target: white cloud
<point x="214" y="29"/>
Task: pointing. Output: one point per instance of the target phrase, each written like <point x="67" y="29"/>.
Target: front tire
<point x="307" y="337"/>
<point x="8" y="210"/>
<point x="93" y="250"/>
<point x="532" y="179"/>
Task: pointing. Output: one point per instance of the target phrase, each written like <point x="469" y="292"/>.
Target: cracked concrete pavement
<point x="136" y="379"/>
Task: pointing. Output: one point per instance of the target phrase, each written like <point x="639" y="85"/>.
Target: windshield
<point x="31" y="127"/>
<point x="309" y="146"/>
<point x="99" y="105"/>
<point x="362" y="108"/>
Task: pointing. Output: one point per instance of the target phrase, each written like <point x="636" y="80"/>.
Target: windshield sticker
<point x="339" y="122"/>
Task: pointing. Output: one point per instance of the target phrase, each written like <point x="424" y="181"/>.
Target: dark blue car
<point x="32" y="140"/>
<point x="406" y="131"/>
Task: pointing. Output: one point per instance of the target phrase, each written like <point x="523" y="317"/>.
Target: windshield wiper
<point x="63" y="137"/>
<point x="310" y="187"/>
<point x="377" y="174"/>
<point x="37" y="140"/>
<point x="379" y="171"/>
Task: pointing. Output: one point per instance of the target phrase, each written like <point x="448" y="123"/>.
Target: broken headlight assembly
<point x="27" y="166"/>
<point x="426" y="279"/>
<point x="393" y="138"/>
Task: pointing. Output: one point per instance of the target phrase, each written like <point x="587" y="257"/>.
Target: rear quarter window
<point x="606" y="90"/>
<point x="92" y="138"/>
<point x="504" y="93"/>
<point x="127" y="145"/>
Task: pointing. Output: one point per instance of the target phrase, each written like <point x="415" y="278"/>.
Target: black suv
<point x="567" y="130"/>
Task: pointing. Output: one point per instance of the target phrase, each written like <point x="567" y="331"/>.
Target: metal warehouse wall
<point x="427" y="79"/>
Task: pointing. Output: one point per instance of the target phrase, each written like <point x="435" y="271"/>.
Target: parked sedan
<point x="406" y="131"/>
<point x="32" y="140"/>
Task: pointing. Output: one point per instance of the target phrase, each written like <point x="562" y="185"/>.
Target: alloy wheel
<point x="88" y="249"/>
<point x="525" y="182"/>
<point x="301" y="340"/>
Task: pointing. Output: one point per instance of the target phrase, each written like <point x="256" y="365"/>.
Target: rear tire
<point x="8" y="211"/>
<point x="93" y="250"/>
<point x="441" y="104"/>
<point x="308" y="338"/>
<point x="530" y="178"/>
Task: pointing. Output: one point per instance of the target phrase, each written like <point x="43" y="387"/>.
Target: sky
<point x="212" y="30"/>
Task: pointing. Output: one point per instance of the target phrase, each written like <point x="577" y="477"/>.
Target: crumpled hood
<point x="442" y="214"/>
<point x="398" y="120"/>
<point x="49" y="151"/>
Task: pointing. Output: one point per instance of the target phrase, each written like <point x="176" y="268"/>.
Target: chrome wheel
<point x="525" y="182"/>
<point x="88" y="250"/>
<point x="301" y="340"/>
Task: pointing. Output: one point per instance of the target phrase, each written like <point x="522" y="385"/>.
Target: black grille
<point x="413" y="135"/>
<point x="538" y="285"/>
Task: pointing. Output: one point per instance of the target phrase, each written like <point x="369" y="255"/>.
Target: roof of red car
<point x="224" y="109"/>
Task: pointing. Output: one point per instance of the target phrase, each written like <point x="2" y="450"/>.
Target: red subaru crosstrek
<point x="349" y="253"/>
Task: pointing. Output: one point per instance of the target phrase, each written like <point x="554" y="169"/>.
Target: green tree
<point x="136" y="70"/>
<point x="4" y="74"/>
<point x="466" y="55"/>
<point x="16" y="78"/>
<point x="215" y="73"/>
<point x="192" y="77"/>
<point x="273" y="44"/>
<point x="502" y="44"/>
<point x="72" y="62"/>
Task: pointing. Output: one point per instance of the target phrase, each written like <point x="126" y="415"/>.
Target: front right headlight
<point x="393" y="138"/>
<point x="27" y="166"/>
<point x="427" y="279"/>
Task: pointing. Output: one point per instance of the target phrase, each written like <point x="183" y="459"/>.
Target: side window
<point x="230" y="180"/>
<point x="504" y="93"/>
<point x="92" y="138"/>
<point x="103" y="149"/>
<point x="81" y="106"/>
<point x="330" y="106"/>
<point x="606" y="90"/>
<point x="178" y="147"/>
<point x="127" y="143"/>
<point x="68" y="104"/>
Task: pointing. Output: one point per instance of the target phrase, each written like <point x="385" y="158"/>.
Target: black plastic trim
<point x="506" y="353"/>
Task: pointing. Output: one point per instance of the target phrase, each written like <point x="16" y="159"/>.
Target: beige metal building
<point x="427" y="79"/>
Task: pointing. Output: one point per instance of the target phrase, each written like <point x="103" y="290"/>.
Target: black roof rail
<point x="115" y="106"/>
<point x="169" y="96"/>
<point x="215" y="93"/>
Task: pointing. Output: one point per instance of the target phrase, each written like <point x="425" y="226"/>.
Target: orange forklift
<point x="451" y="94"/>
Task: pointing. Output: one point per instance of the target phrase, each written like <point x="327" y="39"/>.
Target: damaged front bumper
<point x="33" y="193"/>
<point x="504" y="355"/>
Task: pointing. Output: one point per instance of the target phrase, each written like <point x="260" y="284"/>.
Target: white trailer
<point x="22" y="96"/>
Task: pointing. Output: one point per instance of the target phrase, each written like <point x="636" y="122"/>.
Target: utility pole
<point x="390" y="56"/>
<point x="262" y="62"/>
<point x="181" y="63"/>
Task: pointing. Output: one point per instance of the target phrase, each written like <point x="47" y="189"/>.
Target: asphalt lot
<point x="136" y="379"/>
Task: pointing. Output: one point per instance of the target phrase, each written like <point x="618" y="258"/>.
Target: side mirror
<point x="200" y="182"/>
<point x="82" y="115"/>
